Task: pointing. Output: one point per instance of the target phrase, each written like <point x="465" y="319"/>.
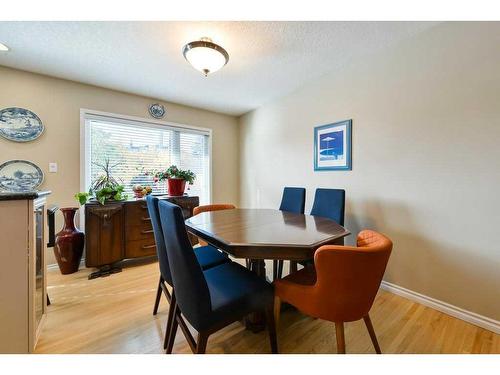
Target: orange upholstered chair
<point x="342" y="284"/>
<point x="211" y="207"/>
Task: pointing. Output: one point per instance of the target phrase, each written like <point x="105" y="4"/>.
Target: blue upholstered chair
<point x="207" y="256"/>
<point x="292" y="200"/>
<point x="329" y="203"/>
<point x="210" y="299"/>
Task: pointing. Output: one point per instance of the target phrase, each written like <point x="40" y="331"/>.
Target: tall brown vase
<point x="68" y="248"/>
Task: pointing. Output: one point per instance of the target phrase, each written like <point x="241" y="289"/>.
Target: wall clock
<point x="157" y="110"/>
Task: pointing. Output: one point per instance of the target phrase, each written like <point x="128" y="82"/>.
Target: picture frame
<point x="333" y="146"/>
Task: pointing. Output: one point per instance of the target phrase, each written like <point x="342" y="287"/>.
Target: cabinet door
<point x="104" y="235"/>
<point x="40" y="296"/>
<point x="15" y="219"/>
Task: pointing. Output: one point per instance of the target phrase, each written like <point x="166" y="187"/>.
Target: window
<point x="133" y="147"/>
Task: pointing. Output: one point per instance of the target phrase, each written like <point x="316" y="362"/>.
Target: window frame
<point x="87" y="114"/>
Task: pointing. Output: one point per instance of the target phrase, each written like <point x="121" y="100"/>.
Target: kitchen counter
<point x="29" y="195"/>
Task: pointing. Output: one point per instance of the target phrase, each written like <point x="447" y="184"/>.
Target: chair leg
<point x="339" y="331"/>
<point x="170" y="319"/>
<point x="173" y="329"/>
<point x="277" y="310"/>
<point x="201" y="343"/>
<point x="271" y="326"/>
<point x="158" y="296"/>
<point x="371" y="331"/>
<point x="277" y="269"/>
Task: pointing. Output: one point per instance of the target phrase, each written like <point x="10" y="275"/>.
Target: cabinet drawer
<point x="136" y="213"/>
<point x="139" y="232"/>
<point x="140" y="248"/>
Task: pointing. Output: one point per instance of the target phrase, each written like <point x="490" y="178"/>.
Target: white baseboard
<point x="457" y="312"/>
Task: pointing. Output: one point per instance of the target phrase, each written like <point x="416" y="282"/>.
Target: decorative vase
<point x="176" y="187"/>
<point x="68" y="247"/>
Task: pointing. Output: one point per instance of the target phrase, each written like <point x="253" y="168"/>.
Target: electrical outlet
<point x="53" y="167"/>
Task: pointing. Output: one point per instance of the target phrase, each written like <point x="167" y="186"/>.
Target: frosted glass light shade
<point x="205" y="56"/>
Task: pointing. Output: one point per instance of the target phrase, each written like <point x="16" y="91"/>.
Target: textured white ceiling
<point x="267" y="59"/>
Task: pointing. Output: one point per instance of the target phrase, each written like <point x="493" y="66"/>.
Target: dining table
<point x="257" y="234"/>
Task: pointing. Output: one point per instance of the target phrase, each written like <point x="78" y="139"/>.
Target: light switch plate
<point x="52" y="167"/>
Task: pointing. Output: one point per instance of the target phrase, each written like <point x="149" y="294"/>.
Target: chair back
<point x="161" y="251"/>
<point x="189" y="283"/>
<point x="348" y="278"/>
<point x="211" y="207"/>
<point x="293" y="200"/>
<point x="329" y="203"/>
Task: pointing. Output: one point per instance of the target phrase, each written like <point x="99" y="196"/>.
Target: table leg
<point x="255" y="322"/>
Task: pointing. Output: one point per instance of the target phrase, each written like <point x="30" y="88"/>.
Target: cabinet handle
<point x="144" y="247"/>
<point x="144" y="206"/>
<point x="147" y="231"/>
<point x="146" y="219"/>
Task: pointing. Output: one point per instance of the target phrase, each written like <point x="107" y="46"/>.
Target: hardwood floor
<point x="114" y="315"/>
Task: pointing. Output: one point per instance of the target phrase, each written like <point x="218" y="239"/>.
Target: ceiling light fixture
<point x="205" y="56"/>
<point x="3" y="48"/>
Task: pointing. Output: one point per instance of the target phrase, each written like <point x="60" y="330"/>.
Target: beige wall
<point x="426" y="157"/>
<point x="57" y="102"/>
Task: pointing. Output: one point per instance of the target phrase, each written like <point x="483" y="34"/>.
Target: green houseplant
<point x="104" y="188"/>
<point x="176" y="179"/>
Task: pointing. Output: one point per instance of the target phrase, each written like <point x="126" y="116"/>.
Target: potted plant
<point x="176" y="179"/>
<point x="104" y="188"/>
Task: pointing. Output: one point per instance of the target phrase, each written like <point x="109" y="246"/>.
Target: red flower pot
<point x="68" y="247"/>
<point x="176" y="186"/>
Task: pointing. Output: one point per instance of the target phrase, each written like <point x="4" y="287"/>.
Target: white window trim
<point x="84" y="139"/>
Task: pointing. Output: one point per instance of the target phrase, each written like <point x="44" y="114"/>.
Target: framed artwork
<point x="332" y="146"/>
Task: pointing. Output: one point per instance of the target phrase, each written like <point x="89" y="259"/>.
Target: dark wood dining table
<point x="259" y="234"/>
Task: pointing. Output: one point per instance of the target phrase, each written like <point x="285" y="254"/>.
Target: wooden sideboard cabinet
<point x="122" y="230"/>
<point x="23" y="282"/>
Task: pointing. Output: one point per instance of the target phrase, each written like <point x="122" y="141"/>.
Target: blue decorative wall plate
<point x="19" y="176"/>
<point x="20" y="125"/>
